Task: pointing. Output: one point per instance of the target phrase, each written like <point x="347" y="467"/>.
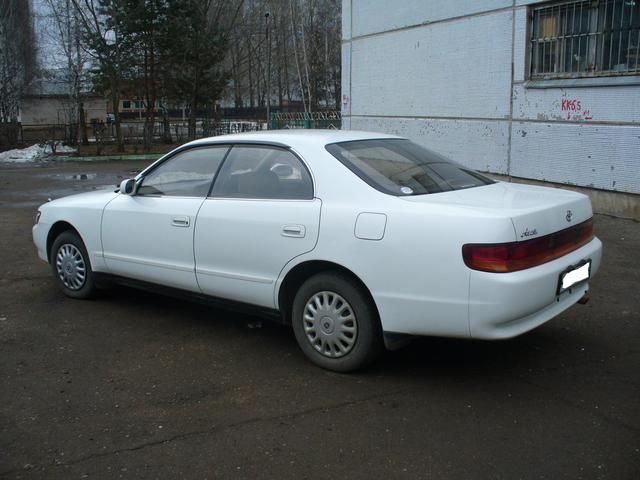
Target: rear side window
<point x="263" y="172"/>
<point x="401" y="167"/>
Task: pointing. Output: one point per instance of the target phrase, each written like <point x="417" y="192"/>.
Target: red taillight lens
<point x="514" y="256"/>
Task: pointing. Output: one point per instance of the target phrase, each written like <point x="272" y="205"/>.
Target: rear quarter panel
<point x="415" y="273"/>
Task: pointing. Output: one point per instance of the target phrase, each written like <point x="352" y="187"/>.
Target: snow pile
<point x="33" y="153"/>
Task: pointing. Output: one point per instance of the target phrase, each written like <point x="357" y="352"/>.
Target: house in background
<point x="47" y="103"/>
<point x="535" y="91"/>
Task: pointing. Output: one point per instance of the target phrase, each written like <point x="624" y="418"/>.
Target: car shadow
<point x="542" y="349"/>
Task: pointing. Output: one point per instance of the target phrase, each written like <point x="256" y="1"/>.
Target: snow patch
<point x="33" y="153"/>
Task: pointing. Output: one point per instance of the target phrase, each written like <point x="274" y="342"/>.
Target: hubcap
<point x="330" y="324"/>
<point x="71" y="268"/>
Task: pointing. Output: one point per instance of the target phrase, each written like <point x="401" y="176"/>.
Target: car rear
<point x="517" y="285"/>
<point x="525" y="252"/>
<point x="503" y="305"/>
<point x="520" y="279"/>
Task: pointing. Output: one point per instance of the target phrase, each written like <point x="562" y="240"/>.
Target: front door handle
<point x="293" y="231"/>
<point x="180" y="221"/>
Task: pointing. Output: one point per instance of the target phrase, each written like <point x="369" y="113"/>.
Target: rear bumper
<point x="509" y="304"/>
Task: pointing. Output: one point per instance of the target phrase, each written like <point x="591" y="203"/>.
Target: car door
<point x="261" y="214"/>
<point x="149" y="235"/>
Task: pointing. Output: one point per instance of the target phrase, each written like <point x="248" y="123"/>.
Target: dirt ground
<point x="135" y="385"/>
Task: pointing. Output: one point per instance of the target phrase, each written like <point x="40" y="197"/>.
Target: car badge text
<point x="529" y="233"/>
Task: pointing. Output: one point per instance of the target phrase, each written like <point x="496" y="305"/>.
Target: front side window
<point x="401" y="167"/>
<point x="263" y="172"/>
<point x="186" y="174"/>
<point x="585" y="38"/>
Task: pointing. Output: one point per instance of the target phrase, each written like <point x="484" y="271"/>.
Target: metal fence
<point x="10" y="134"/>
<point x="133" y="130"/>
<point x="325" y="120"/>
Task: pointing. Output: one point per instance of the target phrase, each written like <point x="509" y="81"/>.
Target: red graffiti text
<point x="571" y="105"/>
<point x="575" y="110"/>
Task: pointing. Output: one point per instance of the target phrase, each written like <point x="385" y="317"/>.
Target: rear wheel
<point x="335" y="323"/>
<point x="71" y="267"/>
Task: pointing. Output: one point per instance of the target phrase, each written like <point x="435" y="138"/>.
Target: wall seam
<point x="350" y="62"/>
<point x="592" y="123"/>
<point x="513" y="53"/>
<point x="428" y="24"/>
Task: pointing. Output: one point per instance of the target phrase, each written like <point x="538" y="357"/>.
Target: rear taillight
<point x="514" y="256"/>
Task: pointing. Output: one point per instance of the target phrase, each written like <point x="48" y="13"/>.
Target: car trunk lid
<point x="534" y="211"/>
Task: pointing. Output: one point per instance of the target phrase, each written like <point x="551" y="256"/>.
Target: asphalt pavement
<point x="136" y="385"/>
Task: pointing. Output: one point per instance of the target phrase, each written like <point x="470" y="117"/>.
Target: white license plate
<point x="574" y="275"/>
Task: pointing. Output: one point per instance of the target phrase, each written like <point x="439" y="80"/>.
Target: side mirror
<point x="128" y="186"/>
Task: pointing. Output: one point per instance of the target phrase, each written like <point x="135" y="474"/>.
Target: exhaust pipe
<point x="584" y="299"/>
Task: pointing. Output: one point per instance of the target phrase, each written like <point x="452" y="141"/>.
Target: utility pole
<point x="266" y="21"/>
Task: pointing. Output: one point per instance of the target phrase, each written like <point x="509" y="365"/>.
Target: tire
<point x="71" y="267"/>
<point x="335" y="323"/>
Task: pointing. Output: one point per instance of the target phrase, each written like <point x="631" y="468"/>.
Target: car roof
<point x="294" y="137"/>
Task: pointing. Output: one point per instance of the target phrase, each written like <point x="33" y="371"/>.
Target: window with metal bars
<point x="585" y="38"/>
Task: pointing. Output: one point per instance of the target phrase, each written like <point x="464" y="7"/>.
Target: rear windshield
<point x="401" y="167"/>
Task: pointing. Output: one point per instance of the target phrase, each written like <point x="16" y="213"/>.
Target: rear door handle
<point x="180" y="221"/>
<point x="293" y="231"/>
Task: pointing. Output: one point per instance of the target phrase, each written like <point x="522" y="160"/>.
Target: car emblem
<point x="569" y="215"/>
<point x="529" y="233"/>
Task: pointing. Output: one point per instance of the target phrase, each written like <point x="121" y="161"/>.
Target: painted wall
<point x="441" y="73"/>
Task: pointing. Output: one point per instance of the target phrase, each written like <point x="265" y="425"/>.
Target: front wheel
<point x="335" y="323"/>
<point x="71" y="267"/>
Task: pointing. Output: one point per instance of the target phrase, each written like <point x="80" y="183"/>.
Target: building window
<point x="126" y="104"/>
<point x="585" y="38"/>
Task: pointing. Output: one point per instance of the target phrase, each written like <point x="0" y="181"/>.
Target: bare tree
<point x="296" y="50"/>
<point x="66" y="38"/>
<point x="305" y="61"/>
<point x="17" y="61"/>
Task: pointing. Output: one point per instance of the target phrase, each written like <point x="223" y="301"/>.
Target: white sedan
<point x="357" y="240"/>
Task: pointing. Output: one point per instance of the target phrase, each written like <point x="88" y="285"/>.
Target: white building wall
<point x="430" y="71"/>
<point x="373" y="16"/>
<point x="441" y="73"/>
